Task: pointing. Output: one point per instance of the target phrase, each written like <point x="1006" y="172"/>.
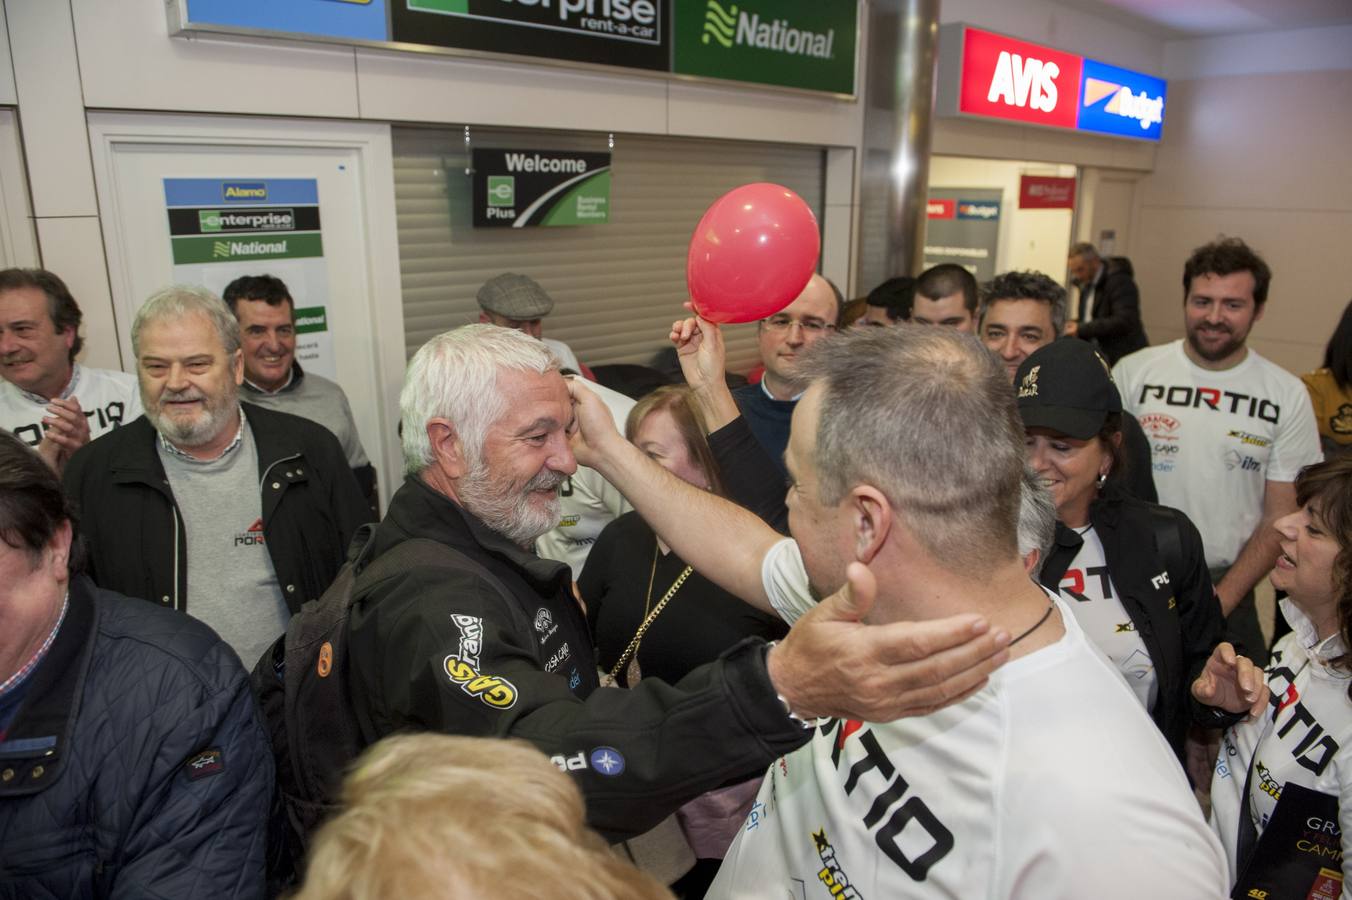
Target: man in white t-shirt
<point x="47" y="399"/>
<point x="1229" y="429"/>
<point x="1049" y="781"/>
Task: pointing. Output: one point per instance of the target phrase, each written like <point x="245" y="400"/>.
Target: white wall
<point x="1029" y="238"/>
<point x="1258" y="147"/>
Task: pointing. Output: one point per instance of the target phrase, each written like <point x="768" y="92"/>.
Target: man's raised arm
<point x="723" y="541"/>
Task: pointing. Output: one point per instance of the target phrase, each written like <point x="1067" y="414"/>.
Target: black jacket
<point x="136" y="766"/>
<point x="462" y="654"/>
<point x="137" y="544"/>
<point x="1172" y="604"/>
<point x="1116" y="322"/>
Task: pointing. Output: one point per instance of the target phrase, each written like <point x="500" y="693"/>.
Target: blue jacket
<point x="137" y="765"/>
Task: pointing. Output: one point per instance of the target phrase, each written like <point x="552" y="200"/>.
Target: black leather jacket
<point x="137" y="546"/>
<point x="503" y="651"/>
<point x="1166" y="591"/>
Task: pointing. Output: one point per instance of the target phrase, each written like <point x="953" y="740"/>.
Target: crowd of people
<point x="997" y="638"/>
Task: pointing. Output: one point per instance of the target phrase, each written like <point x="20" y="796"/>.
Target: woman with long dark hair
<point x="1288" y="770"/>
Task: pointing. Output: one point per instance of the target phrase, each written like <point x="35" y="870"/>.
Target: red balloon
<point x="752" y="253"/>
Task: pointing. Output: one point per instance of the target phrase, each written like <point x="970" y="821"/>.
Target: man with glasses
<point x="783" y="338"/>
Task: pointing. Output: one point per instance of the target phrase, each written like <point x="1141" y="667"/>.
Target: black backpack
<point x="301" y="683"/>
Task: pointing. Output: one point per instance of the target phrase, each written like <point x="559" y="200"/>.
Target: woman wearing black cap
<point x="1133" y="572"/>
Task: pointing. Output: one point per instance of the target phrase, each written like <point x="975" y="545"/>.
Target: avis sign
<point x="993" y="76"/>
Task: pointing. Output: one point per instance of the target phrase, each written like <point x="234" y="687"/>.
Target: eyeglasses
<point x="809" y="326"/>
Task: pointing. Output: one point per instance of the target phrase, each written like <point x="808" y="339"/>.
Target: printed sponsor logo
<point x="1159" y="426"/>
<point x="730" y="26"/>
<point x="1253" y="440"/>
<point x="1029" y="386"/>
<point x="100" y="420"/>
<point x="471" y="637"/>
<point x="941" y="209"/>
<point x="574" y="680"/>
<point x="1233" y="459"/>
<point x="491" y="690"/>
<point x="203" y="764"/>
<point x="251" y="536"/>
<point x="1160" y="448"/>
<point x="544" y="624"/>
<point x="755" y="815"/>
<point x="892" y="808"/>
<point x="1214" y="399"/>
<point x="569" y="521"/>
<point x="831" y="875"/>
<point x="236" y="190"/>
<point x="561" y="655"/>
<point x="502" y="190"/>
<point x="603" y="761"/>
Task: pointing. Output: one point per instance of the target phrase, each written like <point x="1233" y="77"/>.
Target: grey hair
<point x="1026" y="286"/>
<point x="927" y="416"/>
<point x="1083" y="248"/>
<point x="1037" y="518"/>
<point x="180" y="300"/>
<point x="454" y="376"/>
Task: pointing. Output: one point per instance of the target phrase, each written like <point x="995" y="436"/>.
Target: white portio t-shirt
<point x="1087" y="587"/>
<point x="1304" y="738"/>
<point x="1216" y="438"/>
<point x="108" y="398"/>
<point x="1051" y="782"/>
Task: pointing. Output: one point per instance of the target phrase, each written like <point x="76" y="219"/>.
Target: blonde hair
<point x="436" y="816"/>
<point x="678" y="400"/>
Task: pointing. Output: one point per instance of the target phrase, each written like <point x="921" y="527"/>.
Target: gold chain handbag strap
<point x="643" y="628"/>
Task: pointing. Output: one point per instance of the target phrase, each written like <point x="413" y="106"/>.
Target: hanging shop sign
<point x="222" y="228"/>
<point x="963" y="227"/>
<point x="992" y="76"/>
<point x="795" y="43"/>
<point x="1046" y="192"/>
<point x="528" y="188"/>
<point x="802" y="44"/>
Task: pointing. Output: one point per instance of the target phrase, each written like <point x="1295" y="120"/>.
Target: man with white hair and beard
<point x="491" y="642"/>
<point x="232" y="513"/>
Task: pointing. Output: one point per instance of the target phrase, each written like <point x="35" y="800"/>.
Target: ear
<point x="69" y="337"/>
<point x="237" y="363"/>
<point x="446" y="448"/>
<point x="870" y="519"/>
<point x="1030" y="562"/>
<point x="1258" y="311"/>
<point x="484" y="318"/>
<point x="58" y="550"/>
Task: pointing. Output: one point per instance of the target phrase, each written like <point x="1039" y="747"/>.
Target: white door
<point x="351" y="165"/>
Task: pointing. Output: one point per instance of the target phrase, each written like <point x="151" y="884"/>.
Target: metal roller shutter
<point x="617" y="287"/>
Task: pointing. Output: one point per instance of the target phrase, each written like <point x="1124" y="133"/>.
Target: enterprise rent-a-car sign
<point x="993" y="76"/>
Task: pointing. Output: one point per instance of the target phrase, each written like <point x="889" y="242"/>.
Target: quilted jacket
<point x="136" y="765"/>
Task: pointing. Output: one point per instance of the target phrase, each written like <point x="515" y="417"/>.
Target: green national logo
<point x="732" y="26"/>
<point x="220" y="249"/>
<point x="720" y="25"/>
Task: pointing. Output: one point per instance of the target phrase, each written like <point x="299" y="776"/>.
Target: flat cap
<point x="515" y="297"/>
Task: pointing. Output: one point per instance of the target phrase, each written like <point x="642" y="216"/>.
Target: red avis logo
<point x="1016" y="80"/>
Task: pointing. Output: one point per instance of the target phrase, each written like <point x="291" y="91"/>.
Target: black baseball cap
<point x="1066" y="387"/>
